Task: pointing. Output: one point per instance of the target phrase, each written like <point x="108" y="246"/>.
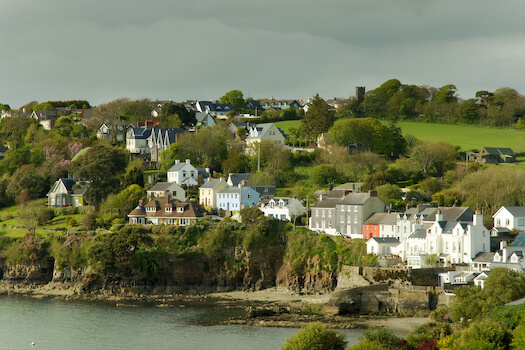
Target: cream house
<point x="208" y="192"/>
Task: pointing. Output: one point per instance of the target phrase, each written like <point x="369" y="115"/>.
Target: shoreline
<point x="272" y="307"/>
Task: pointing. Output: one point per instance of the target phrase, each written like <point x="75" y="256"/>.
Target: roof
<point x="266" y="191"/>
<point x="191" y="209"/>
<point x="326" y="203"/>
<point x="179" y="166"/>
<point x="385" y="240"/>
<point x="419" y="233"/>
<point x="382" y="219"/>
<point x="515" y="211"/>
<point x="499" y="150"/>
<point x="212" y="183"/>
<point x="449" y="214"/>
<point x="236" y="178"/>
<point x="161" y="186"/>
<point x="355" y="198"/>
<point x="262" y="129"/>
<point x="520" y="240"/>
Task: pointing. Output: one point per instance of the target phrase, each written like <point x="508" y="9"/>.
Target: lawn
<point x="466" y="137"/>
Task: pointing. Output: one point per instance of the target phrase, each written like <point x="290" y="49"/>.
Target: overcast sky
<point x="100" y="50"/>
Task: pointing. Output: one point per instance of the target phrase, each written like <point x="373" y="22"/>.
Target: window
<point x="521" y="222"/>
<point x="180" y="209"/>
<point x="446" y="247"/>
<point x="168" y="209"/>
<point x="507" y="222"/>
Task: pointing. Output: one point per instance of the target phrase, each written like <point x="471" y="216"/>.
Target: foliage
<point x="318" y="119"/>
<point x="428" y="331"/>
<point x="235" y="98"/>
<point x="172" y="115"/>
<point x="266" y="232"/>
<point x="250" y="214"/>
<point x="492" y="187"/>
<point x="71" y="251"/>
<point x="315" y="336"/>
<point x="102" y="165"/>
<point x="382" y="337"/>
<point x="26" y="251"/>
<point x="433" y="158"/>
<point x="325" y="174"/>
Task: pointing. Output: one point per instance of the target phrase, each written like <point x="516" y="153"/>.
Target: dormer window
<point x="272" y="204"/>
<point x="151" y="209"/>
<point x="180" y="210"/>
<point x="168" y="209"/>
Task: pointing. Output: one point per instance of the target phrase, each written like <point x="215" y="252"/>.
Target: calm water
<point x="57" y="324"/>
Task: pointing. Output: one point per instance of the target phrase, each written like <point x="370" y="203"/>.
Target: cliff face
<point x="245" y="270"/>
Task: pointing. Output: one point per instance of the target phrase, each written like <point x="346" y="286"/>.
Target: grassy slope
<point x="467" y="137"/>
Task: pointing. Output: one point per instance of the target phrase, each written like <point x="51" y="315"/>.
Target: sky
<point x="100" y="50"/>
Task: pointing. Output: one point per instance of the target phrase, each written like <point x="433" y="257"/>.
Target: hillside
<point x="465" y="136"/>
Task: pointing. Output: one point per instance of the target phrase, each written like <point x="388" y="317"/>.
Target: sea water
<point x="29" y="323"/>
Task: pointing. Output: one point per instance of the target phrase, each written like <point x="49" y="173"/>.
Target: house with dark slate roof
<point x="495" y="155"/>
<point x="510" y="218"/>
<point x="164" y="189"/>
<point x="166" y="211"/>
<point x="452" y="242"/>
<point x="147" y="143"/>
<point x="65" y="192"/>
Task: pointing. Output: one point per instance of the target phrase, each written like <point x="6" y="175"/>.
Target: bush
<point x="72" y="222"/>
<point x="315" y="337"/>
<point x="45" y="215"/>
<point x="428" y="331"/>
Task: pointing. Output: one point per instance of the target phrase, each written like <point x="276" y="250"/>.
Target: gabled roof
<point x="162" y="186"/>
<point x="190" y="209"/>
<point x="355" y="198"/>
<point x="262" y="129"/>
<point x="212" y="183"/>
<point x="236" y="178"/>
<point x="449" y="214"/>
<point x="499" y="151"/>
<point x="382" y="219"/>
<point x="326" y="203"/>
<point x="419" y="233"/>
<point x="514" y="210"/>
<point x="179" y="166"/>
<point x="520" y="240"/>
<point x="484" y="257"/>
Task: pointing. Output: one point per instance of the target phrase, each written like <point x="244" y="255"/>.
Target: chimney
<point x="372" y="193"/>
<point x="187" y="161"/>
<point x="221" y="178"/>
<point x="177" y="161"/>
<point x="477" y="218"/>
<point x="330" y="186"/>
<point x="439" y="215"/>
<point x="503" y="248"/>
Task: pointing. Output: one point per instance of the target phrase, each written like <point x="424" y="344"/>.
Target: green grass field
<point x="466" y="137"/>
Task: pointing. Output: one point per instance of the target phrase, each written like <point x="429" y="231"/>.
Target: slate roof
<point x="386" y="240"/>
<point x="190" y="209"/>
<point x="484" y="257"/>
<point x="382" y="219"/>
<point x="419" y="233"/>
<point x="179" y="166"/>
<point x="160" y="186"/>
<point x="520" y="240"/>
<point x="236" y="178"/>
<point x="212" y="183"/>
<point x="516" y="211"/>
<point x="449" y="214"/>
<point x="499" y="150"/>
<point x="355" y="198"/>
<point x="326" y="203"/>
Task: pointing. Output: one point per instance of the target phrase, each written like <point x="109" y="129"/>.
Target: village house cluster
<point x="422" y="236"/>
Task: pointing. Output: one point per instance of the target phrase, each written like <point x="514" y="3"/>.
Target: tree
<point x="102" y="165"/>
<point x="139" y="109"/>
<point x="110" y="114"/>
<point x="318" y="119"/>
<point x="315" y="337"/>
<point x="171" y="114"/>
<point x="432" y="157"/>
<point x="235" y="98"/>
<point x="468" y="111"/>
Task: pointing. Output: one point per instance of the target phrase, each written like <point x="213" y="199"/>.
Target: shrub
<point x="72" y="222"/>
<point x="315" y="337"/>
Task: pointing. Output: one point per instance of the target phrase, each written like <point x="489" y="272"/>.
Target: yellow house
<point x="208" y="192"/>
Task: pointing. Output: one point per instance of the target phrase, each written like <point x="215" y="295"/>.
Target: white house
<point x="509" y="257"/>
<point x="283" y="208"/>
<point x="237" y="198"/>
<point x="512" y="218"/>
<point x="66" y="192"/>
<point x="164" y="189"/>
<point x="183" y="174"/>
<point x="204" y="119"/>
<point x="262" y="132"/>
<point x="453" y="242"/>
<point x="479" y="280"/>
<point x="381" y="245"/>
